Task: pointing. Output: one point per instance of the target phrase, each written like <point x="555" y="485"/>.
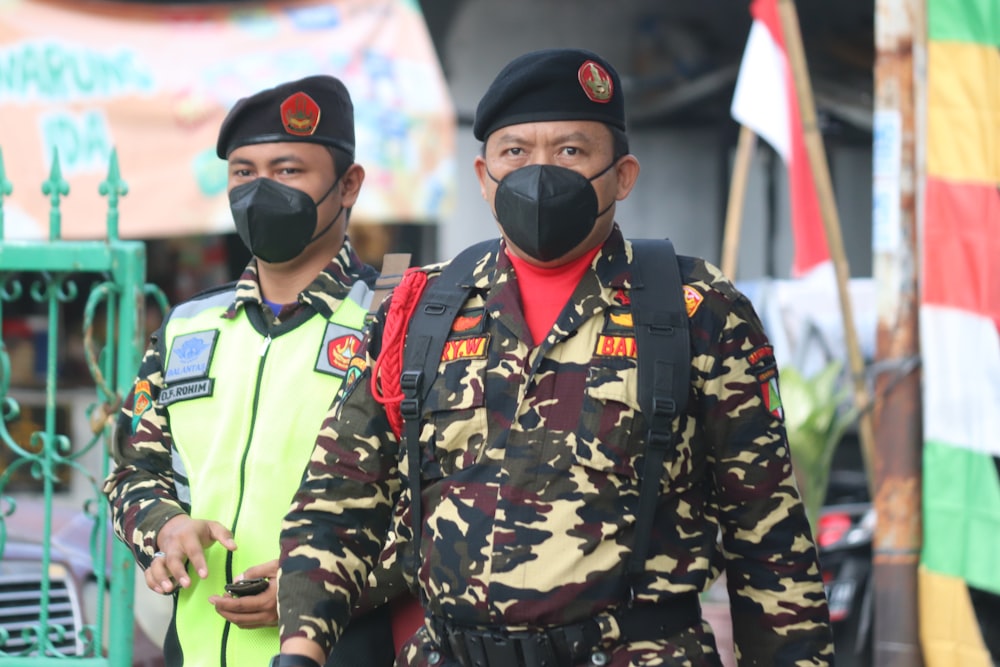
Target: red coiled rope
<point x="388" y="367"/>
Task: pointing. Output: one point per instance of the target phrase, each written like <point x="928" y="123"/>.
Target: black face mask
<point x="546" y="210"/>
<point x="276" y="222"/>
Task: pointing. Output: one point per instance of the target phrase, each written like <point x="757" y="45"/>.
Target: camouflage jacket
<point x="142" y="489"/>
<point x="530" y="482"/>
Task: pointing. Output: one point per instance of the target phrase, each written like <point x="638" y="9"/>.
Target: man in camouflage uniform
<point x="531" y="436"/>
<point x="212" y="441"/>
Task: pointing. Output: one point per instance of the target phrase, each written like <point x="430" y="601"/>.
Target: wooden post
<point x="898" y="178"/>
<point x="831" y="223"/>
<point x="734" y="207"/>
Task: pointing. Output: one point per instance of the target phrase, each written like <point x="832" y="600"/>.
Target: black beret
<point x="552" y="84"/>
<point x="316" y="109"/>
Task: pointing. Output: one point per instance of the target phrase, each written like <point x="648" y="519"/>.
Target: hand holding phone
<point x="247" y="587"/>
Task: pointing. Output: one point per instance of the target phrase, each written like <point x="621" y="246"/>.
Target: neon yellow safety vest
<point x="245" y="402"/>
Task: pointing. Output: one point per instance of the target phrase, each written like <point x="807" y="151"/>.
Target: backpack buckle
<point x="409" y="408"/>
<point x="664" y="407"/>
<point x="410" y="382"/>
<point x="660" y="433"/>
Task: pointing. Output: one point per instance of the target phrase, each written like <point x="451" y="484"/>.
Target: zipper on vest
<point x="243" y="466"/>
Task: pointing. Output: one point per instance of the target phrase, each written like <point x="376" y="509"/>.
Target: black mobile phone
<point x="247" y="587"/>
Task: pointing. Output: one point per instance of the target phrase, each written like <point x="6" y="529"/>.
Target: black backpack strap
<point x="664" y="355"/>
<point x="427" y="332"/>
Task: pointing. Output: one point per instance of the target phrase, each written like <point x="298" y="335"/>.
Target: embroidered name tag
<point x="186" y="390"/>
<point x="190" y="356"/>
<point x="340" y="344"/>
<point x="616" y="346"/>
<point x="465" y="348"/>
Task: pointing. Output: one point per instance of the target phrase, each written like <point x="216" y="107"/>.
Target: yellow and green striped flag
<point x="960" y="330"/>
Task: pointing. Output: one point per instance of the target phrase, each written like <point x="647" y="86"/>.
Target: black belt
<point x="562" y="645"/>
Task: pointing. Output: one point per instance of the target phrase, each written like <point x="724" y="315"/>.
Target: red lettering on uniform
<point x="464" y="348"/>
<point x="605" y="346"/>
<point x="616" y="346"/>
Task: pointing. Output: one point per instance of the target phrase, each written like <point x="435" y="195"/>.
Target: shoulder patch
<point x="761" y="357"/>
<point x="355" y="369"/>
<point x="765" y="369"/>
<point x="142" y="401"/>
<point x="772" y="399"/>
<point x="692" y="300"/>
<point x="340" y="344"/>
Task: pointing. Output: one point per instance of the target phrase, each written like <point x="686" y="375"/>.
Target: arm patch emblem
<point x="692" y="300"/>
<point x="142" y="401"/>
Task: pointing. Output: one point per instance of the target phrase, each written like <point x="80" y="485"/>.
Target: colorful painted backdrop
<point x="89" y="76"/>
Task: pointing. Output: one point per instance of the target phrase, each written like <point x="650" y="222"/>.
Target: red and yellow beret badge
<point x="596" y="82"/>
<point x="300" y="115"/>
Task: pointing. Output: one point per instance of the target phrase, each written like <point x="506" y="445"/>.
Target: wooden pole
<point x="734" y="207"/>
<point x="831" y="223"/>
<point x="898" y="171"/>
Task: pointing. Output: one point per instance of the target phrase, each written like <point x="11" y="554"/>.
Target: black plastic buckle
<point x="410" y="382"/>
<point x="664" y="407"/>
<point x="409" y="408"/>
<point x="660" y="433"/>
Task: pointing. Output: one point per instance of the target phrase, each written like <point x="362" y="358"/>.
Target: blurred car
<point x="73" y="588"/>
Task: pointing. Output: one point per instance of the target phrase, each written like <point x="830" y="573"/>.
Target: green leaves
<point x="815" y="420"/>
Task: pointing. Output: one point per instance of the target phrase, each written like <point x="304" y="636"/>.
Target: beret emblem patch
<point x="300" y="115"/>
<point x="596" y="82"/>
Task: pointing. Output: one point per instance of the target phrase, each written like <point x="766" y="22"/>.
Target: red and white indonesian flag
<point x="765" y="101"/>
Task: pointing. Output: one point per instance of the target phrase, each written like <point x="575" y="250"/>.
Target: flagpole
<point x="831" y="223"/>
<point x="737" y="193"/>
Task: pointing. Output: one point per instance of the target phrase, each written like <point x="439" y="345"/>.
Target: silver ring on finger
<point x="159" y="554"/>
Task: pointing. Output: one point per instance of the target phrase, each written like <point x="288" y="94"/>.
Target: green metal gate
<point x="42" y="619"/>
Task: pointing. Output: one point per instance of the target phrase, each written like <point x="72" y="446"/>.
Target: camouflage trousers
<point x="694" y="647"/>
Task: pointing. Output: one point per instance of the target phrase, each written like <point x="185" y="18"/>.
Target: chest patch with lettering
<point x="616" y="346"/>
<point x="473" y="347"/>
<point x="188" y="363"/>
<point x="190" y="356"/>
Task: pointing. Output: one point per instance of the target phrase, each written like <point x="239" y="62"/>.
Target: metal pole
<point x="898" y="176"/>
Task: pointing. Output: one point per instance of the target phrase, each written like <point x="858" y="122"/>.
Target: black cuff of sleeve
<point x="293" y="660"/>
